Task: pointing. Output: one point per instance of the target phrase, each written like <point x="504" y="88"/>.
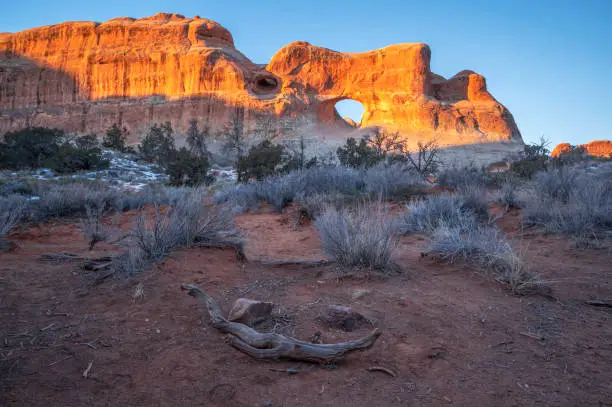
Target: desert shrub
<point x="474" y="198"/>
<point x="315" y="204"/>
<point x="29" y="148"/>
<point x="358" y="154"/>
<point x="158" y="145"/>
<point x="12" y="209"/>
<point x="240" y="198"/>
<point x="190" y="221"/>
<point x="57" y="200"/>
<point x="277" y="191"/>
<point x="185" y="168"/>
<point x="393" y="181"/>
<point x="130" y="262"/>
<point x="570" y="202"/>
<point x="484" y="246"/>
<point x="468" y="241"/>
<point x="37" y="147"/>
<point x="70" y="199"/>
<point x="533" y="159"/>
<point x="360" y="237"/>
<point x="154" y="234"/>
<point x="70" y="158"/>
<point x="434" y="212"/>
<point x="116" y="138"/>
<point x="92" y="226"/>
<point x="556" y="184"/>
<point x="263" y="160"/>
<point x="455" y="177"/>
<point x="508" y="194"/>
<point x="197" y="221"/>
<point x="322" y="180"/>
<point x="11" y="187"/>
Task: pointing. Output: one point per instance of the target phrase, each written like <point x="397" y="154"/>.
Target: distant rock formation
<point x="597" y="148"/>
<point x="85" y="76"/>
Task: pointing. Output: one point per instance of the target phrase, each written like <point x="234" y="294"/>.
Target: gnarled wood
<point x="275" y="346"/>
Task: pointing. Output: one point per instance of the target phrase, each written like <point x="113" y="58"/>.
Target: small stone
<point x="250" y="312"/>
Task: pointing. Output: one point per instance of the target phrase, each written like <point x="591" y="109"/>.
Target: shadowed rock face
<point x="84" y="76"/>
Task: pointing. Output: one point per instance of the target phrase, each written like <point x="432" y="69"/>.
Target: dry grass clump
<point x="93" y="227"/>
<point x="484" y="246"/>
<point x="188" y="222"/>
<point x="455" y="177"/>
<point x="364" y="236"/>
<point x="570" y="202"/>
<point x="508" y="194"/>
<point x="429" y="214"/>
<point x="387" y="181"/>
<point x="12" y="209"/>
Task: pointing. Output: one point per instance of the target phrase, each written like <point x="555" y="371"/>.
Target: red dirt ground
<point x="452" y="335"/>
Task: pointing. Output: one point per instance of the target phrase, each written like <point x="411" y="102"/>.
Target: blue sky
<point x="549" y="62"/>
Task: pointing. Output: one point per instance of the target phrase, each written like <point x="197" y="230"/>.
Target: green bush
<point x="263" y="160"/>
<point x="358" y="154"/>
<point x="534" y="159"/>
<point x="188" y="169"/>
<point x="29" y="148"/>
<point x="40" y="147"/>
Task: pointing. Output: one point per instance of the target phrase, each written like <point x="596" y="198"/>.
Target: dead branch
<point x="382" y="369"/>
<point x="275" y="346"/>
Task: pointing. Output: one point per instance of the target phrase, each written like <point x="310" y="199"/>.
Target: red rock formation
<point x="84" y="76"/>
<point x="597" y="148"/>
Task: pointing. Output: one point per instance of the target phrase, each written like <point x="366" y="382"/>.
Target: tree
<point x="297" y="156"/>
<point x="354" y="154"/>
<point x="158" y="144"/>
<point x="30" y="147"/>
<point x="534" y="158"/>
<point x="196" y="139"/>
<point x="188" y="169"/>
<point x="262" y="160"/>
<point x="425" y="159"/>
<point x="116" y="138"/>
<point x="235" y="144"/>
<point x="385" y="142"/>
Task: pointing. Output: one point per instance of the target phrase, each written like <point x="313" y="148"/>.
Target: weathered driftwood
<point x="275" y="346"/>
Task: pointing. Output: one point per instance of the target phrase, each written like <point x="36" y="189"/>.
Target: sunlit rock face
<point x="597" y="148"/>
<point x="84" y="76"/>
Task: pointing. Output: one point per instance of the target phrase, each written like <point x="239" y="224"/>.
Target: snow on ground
<point x="124" y="172"/>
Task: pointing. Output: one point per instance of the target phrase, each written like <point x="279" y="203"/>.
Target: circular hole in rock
<point x="351" y="111"/>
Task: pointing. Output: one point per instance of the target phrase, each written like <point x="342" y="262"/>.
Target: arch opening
<point x="351" y="111"/>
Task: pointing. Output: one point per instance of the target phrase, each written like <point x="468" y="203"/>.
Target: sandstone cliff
<point x="84" y="76"/>
<point x="597" y="148"/>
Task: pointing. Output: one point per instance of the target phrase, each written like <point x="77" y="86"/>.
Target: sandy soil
<point x="452" y="335"/>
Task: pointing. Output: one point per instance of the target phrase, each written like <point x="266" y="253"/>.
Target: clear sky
<point x="548" y="61"/>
